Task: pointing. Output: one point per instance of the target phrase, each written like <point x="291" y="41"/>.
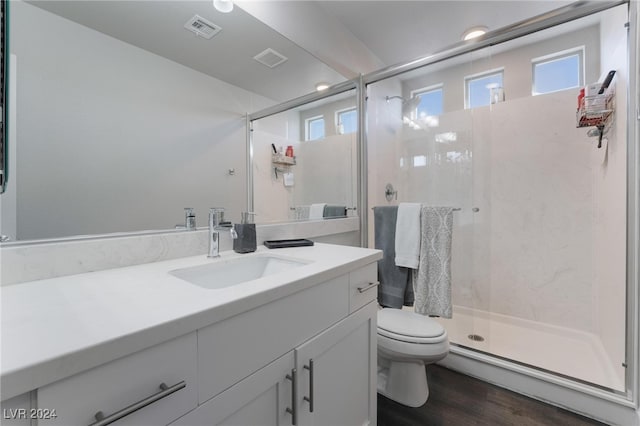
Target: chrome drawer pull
<point x="165" y="391"/>
<point x="294" y="396"/>
<point x="310" y="398"/>
<point x="368" y="287"/>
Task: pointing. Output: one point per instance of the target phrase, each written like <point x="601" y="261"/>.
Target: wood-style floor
<point x="456" y="399"/>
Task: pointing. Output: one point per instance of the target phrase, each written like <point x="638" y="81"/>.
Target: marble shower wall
<point x="541" y="230"/>
<point x="529" y="250"/>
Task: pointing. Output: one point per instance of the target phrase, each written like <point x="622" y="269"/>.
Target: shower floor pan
<point x="565" y="351"/>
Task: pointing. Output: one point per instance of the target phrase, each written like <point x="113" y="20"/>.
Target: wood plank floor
<point x="456" y="399"/>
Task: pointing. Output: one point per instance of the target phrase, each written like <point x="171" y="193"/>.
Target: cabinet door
<point x="337" y="373"/>
<point x="262" y="399"/>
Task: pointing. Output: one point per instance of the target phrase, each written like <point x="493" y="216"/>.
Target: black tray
<point x="287" y="243"/>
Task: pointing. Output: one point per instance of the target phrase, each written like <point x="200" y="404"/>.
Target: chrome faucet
<point x="189" y="220"/>
<point x="216" y="224"/>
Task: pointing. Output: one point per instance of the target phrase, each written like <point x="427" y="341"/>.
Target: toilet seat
<point x="409" y="327"/>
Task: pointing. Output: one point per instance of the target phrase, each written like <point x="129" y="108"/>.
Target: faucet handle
<point x="216" y="216"/>
<point x="247" y="217"/>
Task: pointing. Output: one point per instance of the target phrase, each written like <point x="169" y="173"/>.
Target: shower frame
<point x="517" y="30"/>
<point x="562" y="394"/>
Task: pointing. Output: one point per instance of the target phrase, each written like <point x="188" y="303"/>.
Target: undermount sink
<point x="227" y="273"/>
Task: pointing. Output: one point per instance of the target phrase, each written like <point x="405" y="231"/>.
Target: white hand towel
<point x="408" y="235"/>
<point x="316" y="211"/>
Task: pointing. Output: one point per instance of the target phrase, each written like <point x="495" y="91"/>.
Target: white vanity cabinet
<point x="112" y="387"/>
<point x="329" y="380"/>
<point x="324" y="373"/>
<point x="302" y="352"/>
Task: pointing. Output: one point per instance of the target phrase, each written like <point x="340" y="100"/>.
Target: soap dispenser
<point x="246" y="230"/>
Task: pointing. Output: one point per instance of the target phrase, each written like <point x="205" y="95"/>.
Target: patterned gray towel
<point x="432" y="280"/>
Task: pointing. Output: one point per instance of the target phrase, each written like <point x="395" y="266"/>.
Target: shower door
<point x="538" y="255"/>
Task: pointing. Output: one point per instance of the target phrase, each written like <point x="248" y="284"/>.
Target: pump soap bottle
<point x="246" y="230"/>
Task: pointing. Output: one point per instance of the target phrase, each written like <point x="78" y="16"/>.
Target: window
<point x="559" y="71"/>
<point x="430" y="101"/>
<point x="347" y="121"/>
<point x="314" y="128"/>
<point x="478" y="88"/>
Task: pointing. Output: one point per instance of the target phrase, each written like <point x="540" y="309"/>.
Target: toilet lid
<point x="409" y="324"/>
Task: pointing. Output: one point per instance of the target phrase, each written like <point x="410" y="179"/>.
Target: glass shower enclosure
<point x="539" y="240"/>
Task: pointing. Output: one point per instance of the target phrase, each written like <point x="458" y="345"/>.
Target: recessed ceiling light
<point x="224" y="6"/>
<point x="322" y="86"/>
<point x="474" y="32"/>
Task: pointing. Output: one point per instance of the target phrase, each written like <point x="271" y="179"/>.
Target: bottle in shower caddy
<point x="246" y="234"/>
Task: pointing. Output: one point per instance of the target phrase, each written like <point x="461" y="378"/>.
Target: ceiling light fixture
<point x="322" y="86"/>
<point x="474" y="32"/>
<point x="224" y="6"/>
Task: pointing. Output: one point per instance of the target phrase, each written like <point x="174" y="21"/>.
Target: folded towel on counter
<point x="408" y="235"/>
<point x="394" y="290"/>
<point x="431" y="282"/>
<point x="331" y="212"/>
<point x="316" y="211"/>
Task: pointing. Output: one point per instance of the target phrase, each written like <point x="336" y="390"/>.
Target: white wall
<point x="114" y="138"/>
<point x="271" y="198"/>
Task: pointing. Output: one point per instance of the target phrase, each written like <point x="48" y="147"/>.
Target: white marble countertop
<point x="54" y="328"/>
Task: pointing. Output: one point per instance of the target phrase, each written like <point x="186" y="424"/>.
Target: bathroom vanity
<point x="293" y="343"/>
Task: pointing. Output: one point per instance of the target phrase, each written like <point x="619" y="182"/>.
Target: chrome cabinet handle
<point x="165" y="391"/>
<point x="294" y="396"/>
<point x="310" y="398"/>
<point x="368" y="287"/>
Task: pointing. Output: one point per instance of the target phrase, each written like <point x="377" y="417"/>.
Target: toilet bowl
<point x="406" y="342"/>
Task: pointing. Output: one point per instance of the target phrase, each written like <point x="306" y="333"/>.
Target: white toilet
<point x="406" y="342"/>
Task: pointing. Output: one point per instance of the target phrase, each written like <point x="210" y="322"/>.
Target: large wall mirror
<point x="122" y="116"/>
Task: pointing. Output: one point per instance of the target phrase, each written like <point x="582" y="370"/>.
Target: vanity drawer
<point x="114" y="386"/>
<point x="253" y="339"/>
<point x="363" y="286"/>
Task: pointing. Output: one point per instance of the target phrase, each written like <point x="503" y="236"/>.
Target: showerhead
<point x="407" y="104"/>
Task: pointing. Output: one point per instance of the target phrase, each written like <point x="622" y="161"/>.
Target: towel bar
<point x="455" y="209"/>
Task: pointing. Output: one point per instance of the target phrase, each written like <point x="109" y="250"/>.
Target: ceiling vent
<point x="202" y="27"/>
<point x="270" y="58"/>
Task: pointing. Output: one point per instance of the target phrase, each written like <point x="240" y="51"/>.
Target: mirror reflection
<point x="123" y="116"/>
<point x="318" y="179"/>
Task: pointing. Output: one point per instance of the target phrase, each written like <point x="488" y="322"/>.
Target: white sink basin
<point x="226" y="273"/>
